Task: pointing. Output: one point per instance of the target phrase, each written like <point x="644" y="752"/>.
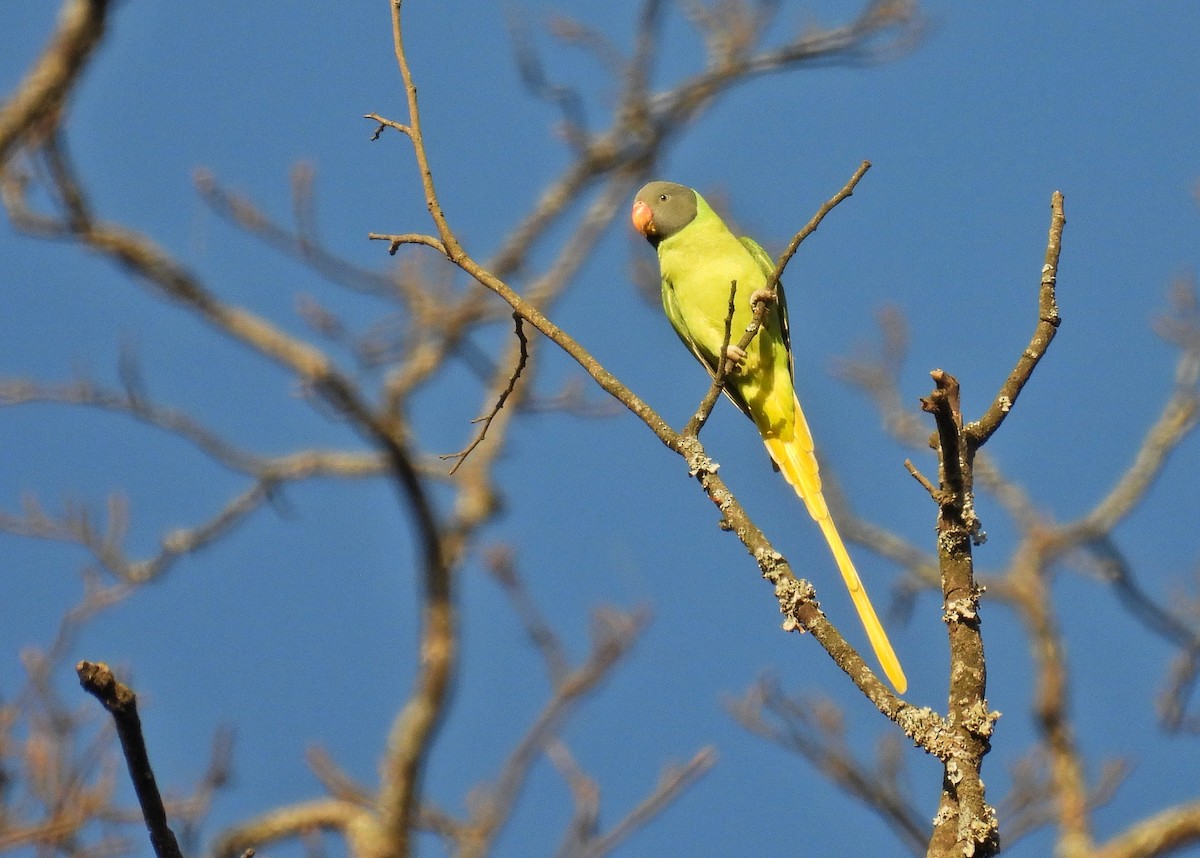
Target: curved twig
<point x="486" y="420"/>
<point x="1043" y="334"/>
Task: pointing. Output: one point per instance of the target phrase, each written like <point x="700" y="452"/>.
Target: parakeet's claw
<point x="767" y="296"/>
<point x="734" y="358"/>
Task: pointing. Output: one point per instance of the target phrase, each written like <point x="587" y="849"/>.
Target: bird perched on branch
<point x="701" y="263"/>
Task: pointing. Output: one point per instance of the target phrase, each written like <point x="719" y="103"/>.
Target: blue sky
<point x="299" y="627"/>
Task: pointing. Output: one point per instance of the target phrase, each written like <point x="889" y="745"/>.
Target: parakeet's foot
<point x="734" y="358"/>
<point x="767" y="296"/>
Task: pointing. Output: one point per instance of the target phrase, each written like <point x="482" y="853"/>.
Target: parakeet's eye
<point x="662" y="198"/>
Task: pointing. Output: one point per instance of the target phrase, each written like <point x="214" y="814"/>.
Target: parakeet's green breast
<point x="698" y="265"/>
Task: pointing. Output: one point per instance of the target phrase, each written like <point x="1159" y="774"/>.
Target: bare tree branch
<point x="585" y="821"/>
<point x="329" y="814"/>
<point x="795" y="597"/>
<point x="964" y="823"/>
<point x="813" y="729"/>
<point x="35" y="106"/>
<point x="1161" y="834"/>
<point x="339" y="784"/>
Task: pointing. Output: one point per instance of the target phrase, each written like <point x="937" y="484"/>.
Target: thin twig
<point x="879" y="378"/>
<point x="395" y="242"/>
<point x="302" y="244"/>
<point x="673" y="782"/>
<point x="567" y="99"/>
<point x="1172" y="704"/>
<point x="1043" y="334"/>
<point x="814" y="222"/>
<point x="1179" y="417"/>
<point x="501" y="565"/>
<point x="922" y="479"/>
<point x="585" y="793"/>
<point x="387" y="123"/>
<point x="287" y="467"/>
<point x="1051" y="702"/>
<point x="707" y="404"/>
<point x="75" y="527"/>
<point x="486" y="420"/>
<point x="335" y="780"/>
<point x="1010" y="494"/>
<point x="119" y="699"/>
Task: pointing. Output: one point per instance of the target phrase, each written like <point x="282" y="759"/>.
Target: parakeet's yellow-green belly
<point x="698" y="272"/>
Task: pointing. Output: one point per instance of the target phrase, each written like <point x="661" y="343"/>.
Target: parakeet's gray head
<point x="662" y="209"/>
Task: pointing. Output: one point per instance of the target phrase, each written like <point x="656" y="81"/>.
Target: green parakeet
<point x="699" y="258"/>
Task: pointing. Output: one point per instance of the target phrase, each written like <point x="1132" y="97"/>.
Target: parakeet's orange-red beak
<point x="643" y="218"/>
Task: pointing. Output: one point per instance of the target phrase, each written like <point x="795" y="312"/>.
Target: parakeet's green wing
<point x="760" y="256"/>
<point x="679" y="324"/>
<point x="768" y="268"/>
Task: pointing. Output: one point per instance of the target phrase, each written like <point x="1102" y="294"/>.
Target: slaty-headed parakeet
<point x="698" y="259"/>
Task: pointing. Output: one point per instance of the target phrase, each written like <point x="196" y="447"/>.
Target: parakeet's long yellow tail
<point x="798" y="463"/>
